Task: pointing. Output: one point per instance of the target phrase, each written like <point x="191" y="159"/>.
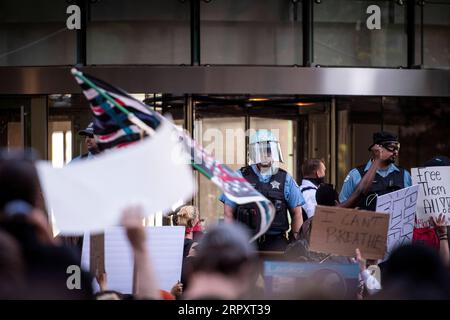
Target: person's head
<point x="390" y="144"/>
<point x="415" y="271"/>
<point x="264" y="149"/>
<point x="187" y="216"/>
<point x="225" y="251"/>
<point x="18" y="179"/>
<point x="326" y="195"/>
<point x="438" y="161"/>
<point x="88" y="135"/>
<point x="314" y="169"/>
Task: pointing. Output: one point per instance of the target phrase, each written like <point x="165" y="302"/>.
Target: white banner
<point x="434" y="193"/>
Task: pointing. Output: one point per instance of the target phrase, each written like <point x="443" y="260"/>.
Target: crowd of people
<point x="220" y="262"/>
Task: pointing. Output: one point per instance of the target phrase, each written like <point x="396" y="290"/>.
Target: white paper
<point x="434" y="194"/>
<point x="166" y="250"/>
<point x="89" y="196"/>
<point x="85" y="257"/>
<point x="119" y="263"/>
<point x="401" y="206"/>
<point x="85" y="252"/>
<point x="165" y="245"/>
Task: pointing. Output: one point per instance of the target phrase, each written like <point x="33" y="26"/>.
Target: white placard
<point x="165" y="245"/>
<point x="434" y="194"/>
<point x="401" y="207"/>
<point x="89" y="196"/>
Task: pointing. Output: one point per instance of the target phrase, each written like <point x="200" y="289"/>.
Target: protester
<point x="428" y="234"/>
<point x="225" y="265"/>
<point x="313" y="171"/>
<point x="188" y="216"/>
<point x="12" y="268"/>
<point x="414" y="272"/>
<point x="22" y="216"/>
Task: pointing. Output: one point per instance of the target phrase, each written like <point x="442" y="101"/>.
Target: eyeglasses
<point x="392" y="147"/>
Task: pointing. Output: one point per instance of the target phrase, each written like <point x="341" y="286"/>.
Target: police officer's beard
<point x="390" y="160"/>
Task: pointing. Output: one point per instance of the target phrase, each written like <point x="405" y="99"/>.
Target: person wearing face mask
<point x="265" y="175"/>
<point x="388" y="177"/>
<point x="313" y="171"/>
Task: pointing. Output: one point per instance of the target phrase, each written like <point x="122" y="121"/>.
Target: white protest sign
<point x="401" y="207"/>
<point x="434" y="194"/>
<point x="165" y="245"/>
<point x="90" y="196"/>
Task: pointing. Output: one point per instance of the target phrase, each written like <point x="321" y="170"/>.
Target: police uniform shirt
<point x="89" y="156"/>
<point x="292" y="193"/>
<point x="353" y="179"/>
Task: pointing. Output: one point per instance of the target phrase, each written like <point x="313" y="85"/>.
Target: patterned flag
<point x="113" y="108"/>
<point x="112" y="128"/>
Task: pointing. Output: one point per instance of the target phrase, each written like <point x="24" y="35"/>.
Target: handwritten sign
<point x="340" y="231"/>
<point x="401" y="206"/>
<point x="434" y="194"/>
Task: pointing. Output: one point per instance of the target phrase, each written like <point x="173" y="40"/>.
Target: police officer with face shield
<point x="276" y="185"/>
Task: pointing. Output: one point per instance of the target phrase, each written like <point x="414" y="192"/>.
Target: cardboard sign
<point x="340" y="231"/>
<point x="401" y="206"/>
<point x="340" y="281"/>
<point x="434" y="194"/>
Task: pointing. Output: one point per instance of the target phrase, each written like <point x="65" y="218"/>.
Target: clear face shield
<point x="265" y="153"/>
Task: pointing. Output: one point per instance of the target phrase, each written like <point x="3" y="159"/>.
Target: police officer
<point x="91" y="145"/>
<point x="388" y="177"/>
<point x="276" y="185"/>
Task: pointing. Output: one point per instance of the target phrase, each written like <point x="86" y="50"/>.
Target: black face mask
<point x="317" y="181"/>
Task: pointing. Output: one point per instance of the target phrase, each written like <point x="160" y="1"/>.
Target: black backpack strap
<point x="307" y="188"/>
<point x="361" y="170"/>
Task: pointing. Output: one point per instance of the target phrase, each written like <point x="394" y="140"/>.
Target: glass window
<point x="139" y="32"/>
<point x="251" y="32"/>
<point x="34" y="34"/>
<point x="222" y="137"/>
<point x="14" y="122"/>
<point x="420" y="123"/>
<point x="342" y="37"/>
<point x="436" y="34"/>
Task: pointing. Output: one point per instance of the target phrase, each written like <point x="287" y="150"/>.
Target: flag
<point x="112" y="127"/>
<point x="119" y="119"/>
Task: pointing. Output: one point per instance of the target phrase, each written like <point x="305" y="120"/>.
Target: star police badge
<point x="275" y="185"/>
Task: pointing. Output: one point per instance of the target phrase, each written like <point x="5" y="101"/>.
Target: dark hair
<point x="224" y="249"/>
<point x="18" y="181"/>
<point x="326" y="195"/>
<point x="310" y="166"/>
<point x="12" y="267"/>
<point x="415" y="271"/>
